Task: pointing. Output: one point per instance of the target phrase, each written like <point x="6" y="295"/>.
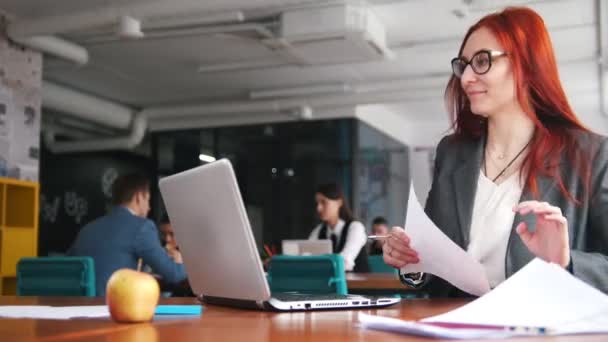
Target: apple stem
<point x="139" y="263"/>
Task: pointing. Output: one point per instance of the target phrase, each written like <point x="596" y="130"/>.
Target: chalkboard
<point x="76" y="189"/>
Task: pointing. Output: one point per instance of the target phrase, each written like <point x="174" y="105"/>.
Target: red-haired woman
<point x="521" y="177"/>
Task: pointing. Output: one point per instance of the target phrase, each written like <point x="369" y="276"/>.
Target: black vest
<point x="361" y="264"/>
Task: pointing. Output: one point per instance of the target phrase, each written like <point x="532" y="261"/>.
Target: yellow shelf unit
<point x="19" y="201"/>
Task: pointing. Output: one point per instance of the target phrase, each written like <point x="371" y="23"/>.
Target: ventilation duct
<point x="127" y="142"/>
<point x="91" y="109"/>
<point x="57" y="47"/>
<point x="341" y="33"/>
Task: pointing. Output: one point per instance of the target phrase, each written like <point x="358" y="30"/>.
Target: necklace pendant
<point x="500" y="156"/>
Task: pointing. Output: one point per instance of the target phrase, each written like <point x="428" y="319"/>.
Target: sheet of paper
<point x="542" y="295"/>
<point x="439" y="255"/>
<point x="420" y="329"/>
<point x="54" y="312"/>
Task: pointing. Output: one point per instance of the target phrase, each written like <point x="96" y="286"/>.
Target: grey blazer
<point x="450" y="206"/>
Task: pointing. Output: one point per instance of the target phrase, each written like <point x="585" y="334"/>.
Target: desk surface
<point x="227" y="324"/>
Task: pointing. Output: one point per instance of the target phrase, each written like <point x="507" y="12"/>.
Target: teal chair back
<point x="56" y="276"/>
<point x="377" y="265"/>
<point x="318" y="274"/>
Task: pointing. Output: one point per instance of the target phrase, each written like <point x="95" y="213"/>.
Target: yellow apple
<point x="132" y="296"/>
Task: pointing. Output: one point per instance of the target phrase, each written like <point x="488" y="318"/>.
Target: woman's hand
<point x="397" y="251"/>
<point x="549" y="241"/>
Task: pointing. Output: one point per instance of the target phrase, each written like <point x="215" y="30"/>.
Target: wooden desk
<point x="227" y="324"/>
<point x="374" y="281"/>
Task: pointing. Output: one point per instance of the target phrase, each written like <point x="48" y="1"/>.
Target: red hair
<point x="524" y="37"/>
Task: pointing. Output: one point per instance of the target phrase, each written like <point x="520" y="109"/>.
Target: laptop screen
<point x="306" y="247"/>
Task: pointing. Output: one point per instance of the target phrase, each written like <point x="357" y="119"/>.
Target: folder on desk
<point x="178" y="310"/>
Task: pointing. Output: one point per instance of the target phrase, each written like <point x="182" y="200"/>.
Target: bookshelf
<point x="19" y="201"/>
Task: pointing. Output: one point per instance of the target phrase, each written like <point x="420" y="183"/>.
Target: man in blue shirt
<point x="118" y="239"/>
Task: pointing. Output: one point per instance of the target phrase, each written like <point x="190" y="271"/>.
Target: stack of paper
<point x="540" y="295"/>
<point x="422" y="329"/>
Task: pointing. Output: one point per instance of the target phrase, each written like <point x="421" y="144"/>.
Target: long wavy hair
<point x="524" y="38"/>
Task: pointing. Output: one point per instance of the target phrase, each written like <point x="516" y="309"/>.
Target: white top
<point x="491" y="223"/>
<point x="355" y="240"/>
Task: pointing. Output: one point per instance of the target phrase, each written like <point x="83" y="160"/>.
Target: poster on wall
<point x="20" y="100"/>
<point x="6" y="109"/>
<point x="25" y="123"/>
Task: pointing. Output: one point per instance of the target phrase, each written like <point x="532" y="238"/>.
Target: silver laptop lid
<point x="212" y="229"/>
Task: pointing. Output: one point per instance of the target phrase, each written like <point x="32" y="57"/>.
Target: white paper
<point x="540" y="295"/>
<point x="439" y="255"/>
<point x="54" y="312"/>
<point x="420" y="329"/>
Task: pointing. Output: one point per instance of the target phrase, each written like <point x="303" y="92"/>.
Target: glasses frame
<point x="492" y="55"/>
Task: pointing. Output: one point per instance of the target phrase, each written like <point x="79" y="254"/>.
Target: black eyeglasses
<point x="481" y="62"/>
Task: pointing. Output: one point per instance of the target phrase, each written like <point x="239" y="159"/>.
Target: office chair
<point x="377" y="265"/>
<point x="56" y="276"/>
<point x="318" y="274"/>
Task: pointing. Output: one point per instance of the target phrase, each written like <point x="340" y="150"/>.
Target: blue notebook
<point x="179" y="309"/>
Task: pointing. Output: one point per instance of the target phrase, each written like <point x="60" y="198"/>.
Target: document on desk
<point x="540" y="295"/>
<point x="540" y="299"/>
<point x="417" y="328"/>
<point x="87" y="311"/>
<point x="54" y="312"/>
<point x="439" y="255"/>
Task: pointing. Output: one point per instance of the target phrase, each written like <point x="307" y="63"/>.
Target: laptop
<point x="306" y="247"/>
<point x="219" y="252"/>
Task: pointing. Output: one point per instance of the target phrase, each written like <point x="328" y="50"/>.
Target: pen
<point x="268" y="251"/>
<point x="515" y="329"/>
<point x="376" y="237"/>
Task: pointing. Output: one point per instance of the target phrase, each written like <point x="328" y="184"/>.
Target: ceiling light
<point x="129" y="28"/>
<point x="234" y="66"/>
<point x="195" y="19"/>
<point x="319" y="89"/>
<point x="206" y="158"/>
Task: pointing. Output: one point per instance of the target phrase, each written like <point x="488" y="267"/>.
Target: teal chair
<point x="318" y="274"/>
<point x="56" y="276"/>
<point x="377" y="265"/>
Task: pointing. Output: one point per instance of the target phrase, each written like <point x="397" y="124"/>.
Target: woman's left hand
<point x="549" y="241"/>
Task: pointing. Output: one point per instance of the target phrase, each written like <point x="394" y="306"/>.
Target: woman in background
<point x="337" y="224"/>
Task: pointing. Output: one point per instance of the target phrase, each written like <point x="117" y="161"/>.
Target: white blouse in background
<point x="356" y="239"/>
<point x="491" y="223"/>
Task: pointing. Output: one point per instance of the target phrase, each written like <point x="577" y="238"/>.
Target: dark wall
<point x="278" y="166"/>
<point x="76" y="189"/>
<point x="382" y="177"/>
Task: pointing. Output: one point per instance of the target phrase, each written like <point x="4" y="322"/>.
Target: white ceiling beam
<point x="287" y="104"/>
<point x="147" y="10"/>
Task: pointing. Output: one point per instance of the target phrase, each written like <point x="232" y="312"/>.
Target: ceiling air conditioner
<point x="331" y="34"/>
